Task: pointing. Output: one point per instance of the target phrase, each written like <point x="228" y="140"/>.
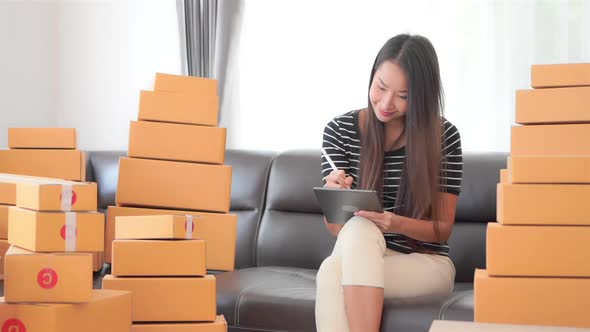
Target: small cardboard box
<point x="166" y="258"/>
<point x="168" y="299"/>
<point x="524" y="251"/>
<point x="534" y="301"/>
<point x="60" y="164"/>
<point x="173" y="107"/>
<point x="451" y="326"/>
<point x="169" y="141"/>
<point x="8" y="185"/>
<point x="42" y="138"/>
<point x="219" y="325"/>
<point x="174" y="185"/>
<point x="556" y="140"/>
<point x="189" y="84"/>
<point x="154" y="227"/>
<point x="4" y="221"/>
<point x="559" y="75"/>
<point x="56" y="231"/>
<point x="107" y="310"/>
<point x="218" y="230"/>
<point x="549" y="169"/>
<point x="49" y="278"/>
<point x="57" y="196"/>
<point x="561" y="105"/>
<point x="541" y="204"/>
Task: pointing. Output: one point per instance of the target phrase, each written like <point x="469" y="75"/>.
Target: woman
<point x="401" y="146"/>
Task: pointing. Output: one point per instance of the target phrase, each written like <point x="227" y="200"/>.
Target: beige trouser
<point x="361" y="258"/>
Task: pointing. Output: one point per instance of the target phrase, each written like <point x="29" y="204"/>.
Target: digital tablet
<point x="339" y="205"/>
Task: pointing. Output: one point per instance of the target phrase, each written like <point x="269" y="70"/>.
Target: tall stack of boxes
<point x="174" y="168"/>
<point x="538" y="263"/>
<point x="38" y="152"/>
<point x="170" y="284"/>
<point x="48" y="267"/>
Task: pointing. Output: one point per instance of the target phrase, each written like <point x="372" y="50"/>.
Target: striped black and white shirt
<point x="342" y="142"/>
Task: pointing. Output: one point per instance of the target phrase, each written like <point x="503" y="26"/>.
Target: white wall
<point x="108" y="52"/>
<point x="82" y="64"/>
<point x="27" y="65"/>
<point x="302" y="62"/>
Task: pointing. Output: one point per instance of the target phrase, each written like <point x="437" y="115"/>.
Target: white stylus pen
<point x="334" y="168"/>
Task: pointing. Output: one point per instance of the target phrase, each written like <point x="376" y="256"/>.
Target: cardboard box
<point x="549" y="169"/>
<point x="537" y="251"/>
<point x="556" y="75"/>
<point x="166" y="258"/>
<point x="154" y="227"/>
<point x="87" y="317"/>
<point x="219" y="325"/>
<point x="541" y="204"/>
<point x="556" y="140"/>
<point x="504" y="176"/>
<point x="61" y="164"/>
<point x="218" y="230"/>
<point x="42" y="138"/>
<point x="8" y="185"/>
<point x="173" y="107"/>
<point x="49" y="278"/>
<point x="57" y="196"/>
<point x="4" y="245"/>
<point x="170" y="141"/>
<point x="561" y="105"/>
<point x="56" y="231"/>
<point x="199" y="86"/>
<point x="168" y="299"/>
<point x="453" y="326"/>
<point x="174" y="185"/>
<point x="535" y="301"/>
<point x="4" y="221"/>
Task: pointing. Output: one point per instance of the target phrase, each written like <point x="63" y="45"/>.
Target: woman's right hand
<point x="338" y="180"/>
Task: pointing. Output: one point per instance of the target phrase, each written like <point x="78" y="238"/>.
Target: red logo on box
<point x="47" y="278"/>
<point x="62" y="232"/>
<point x="13" y="325"/>
<point x="74" y="198"/>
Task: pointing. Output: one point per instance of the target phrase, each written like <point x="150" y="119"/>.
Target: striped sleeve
<point x="333" y="143"/>
<point x="452" y="160"/>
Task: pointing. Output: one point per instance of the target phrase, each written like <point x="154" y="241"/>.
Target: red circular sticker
<point x="62" y="232"/>
<point x="186" y="226"/>
<point x="47" y="278"/>
<point x="13" y="325"/>
<point x="74" y="198"/>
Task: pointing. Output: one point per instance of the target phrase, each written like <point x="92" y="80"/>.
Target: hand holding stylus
<point x="337" y="178"/>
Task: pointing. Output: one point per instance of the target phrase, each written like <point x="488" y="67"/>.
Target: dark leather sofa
<point x="282" y="240"/>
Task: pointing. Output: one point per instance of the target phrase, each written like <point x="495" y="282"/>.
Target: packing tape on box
<point x="66" y="197"/>
<point x="71" y="231"/>
<point x="189" y="226"/>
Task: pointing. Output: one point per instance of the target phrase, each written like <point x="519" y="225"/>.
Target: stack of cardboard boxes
<point x="166" y="271"/>
<point x="48" y="267"/>
<point x="39" y="152"/>
<point x="175" y="168"/>
<point x="538" y="263"/>
<point x="46" y="152"/>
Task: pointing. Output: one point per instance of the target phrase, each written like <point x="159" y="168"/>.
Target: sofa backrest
<point x="292" y="232"/>
<point x="249" y="177"/>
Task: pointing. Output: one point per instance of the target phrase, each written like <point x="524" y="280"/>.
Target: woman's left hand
<point x="387" y="222"/>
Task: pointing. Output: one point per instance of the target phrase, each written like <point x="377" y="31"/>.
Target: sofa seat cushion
<point x="459" y="307"/>
<point x="283" y="299"/>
